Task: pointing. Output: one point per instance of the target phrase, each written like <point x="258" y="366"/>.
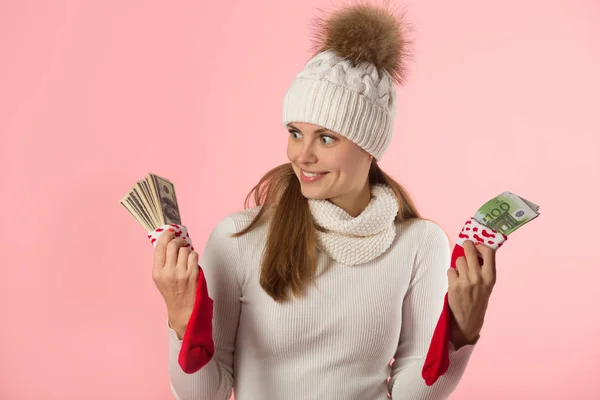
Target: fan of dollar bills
<point x="152" y="202"/>
<point x="506" y="213"/>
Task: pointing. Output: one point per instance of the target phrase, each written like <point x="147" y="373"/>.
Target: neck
<point x="354" y="203"/>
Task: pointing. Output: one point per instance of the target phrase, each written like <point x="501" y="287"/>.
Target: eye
<point x="295" y="134"/>
<point x="325" y="139"/>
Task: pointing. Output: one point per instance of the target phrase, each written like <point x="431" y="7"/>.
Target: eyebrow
<point x="320" y="130"/>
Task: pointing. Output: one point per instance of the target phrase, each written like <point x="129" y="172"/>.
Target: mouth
<point x="308" y="177"/>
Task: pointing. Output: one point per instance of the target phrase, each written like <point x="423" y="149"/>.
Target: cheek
<point x="290" y="152"/>
<point x="350" y="167"/>
<point x="352" y="172"/>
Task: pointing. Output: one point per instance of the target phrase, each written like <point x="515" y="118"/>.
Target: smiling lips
<point x="309" y="177"/>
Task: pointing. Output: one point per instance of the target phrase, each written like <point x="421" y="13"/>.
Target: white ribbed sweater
<point x="335" y="343"/>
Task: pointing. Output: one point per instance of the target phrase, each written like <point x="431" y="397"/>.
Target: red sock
<point x="197" y="347"/>
<point x="437" y="360"/>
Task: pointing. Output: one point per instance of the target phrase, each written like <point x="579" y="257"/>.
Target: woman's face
<point x="328" y="165"/>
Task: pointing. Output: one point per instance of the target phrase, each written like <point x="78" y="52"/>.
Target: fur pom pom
<point x="366" y="33"/>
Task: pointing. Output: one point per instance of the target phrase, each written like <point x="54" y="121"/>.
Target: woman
<point x="333" y="273"/>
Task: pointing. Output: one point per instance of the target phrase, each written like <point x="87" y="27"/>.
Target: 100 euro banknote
<point x="507" y="212"/>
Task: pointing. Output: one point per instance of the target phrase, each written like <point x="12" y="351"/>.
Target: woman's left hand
<point x="469" y="288"/>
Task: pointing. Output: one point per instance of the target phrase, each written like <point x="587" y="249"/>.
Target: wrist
<point x="461" y="342"/>
<point x="177" y="326"/>
<point x="460" y="338"/>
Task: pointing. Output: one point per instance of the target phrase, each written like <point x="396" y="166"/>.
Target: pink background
<point x="93" y="95"/>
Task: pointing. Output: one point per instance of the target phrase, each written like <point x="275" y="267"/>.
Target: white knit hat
<point x="348" y="85"/>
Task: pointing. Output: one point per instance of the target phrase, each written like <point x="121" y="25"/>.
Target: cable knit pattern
<point x="363" y="79"/>
<point x="354" y="101"/>
<point x="357" y="240"/>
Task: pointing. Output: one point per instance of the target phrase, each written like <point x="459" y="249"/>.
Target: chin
<point x="312" y="193"/>
<point x="321" y="191"/>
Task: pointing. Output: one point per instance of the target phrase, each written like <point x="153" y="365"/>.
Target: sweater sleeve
<point x="421" y="309"/>
<point x="221" y="265"/>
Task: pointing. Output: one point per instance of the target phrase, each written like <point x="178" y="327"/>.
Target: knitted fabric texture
<point x="354" y="101"/>
<point x="356" y="240"/>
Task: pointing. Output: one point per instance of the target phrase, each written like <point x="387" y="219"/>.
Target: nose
<point x="306" y="153"/>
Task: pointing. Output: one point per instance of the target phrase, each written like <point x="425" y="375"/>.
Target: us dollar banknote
<point x="152" y="202"/>
<point x="166" y="200"/>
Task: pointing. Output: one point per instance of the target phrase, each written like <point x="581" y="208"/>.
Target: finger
<point x="488" y="270"/>
<point x="160" y="251"/>
<point x="182" y="260"/>
<point x="192" y="263"/>
<point x="172" y="252"/>
<point x="473" y="265"/>
<point x="452" y="276"/>
<point x="466" y="249"/>
<point x="461" y="267"/>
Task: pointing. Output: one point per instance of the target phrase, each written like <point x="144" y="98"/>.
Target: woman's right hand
<point x="175" y="273"/>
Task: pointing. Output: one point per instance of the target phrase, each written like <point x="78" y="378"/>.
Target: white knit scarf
<point x="356" y="240"/>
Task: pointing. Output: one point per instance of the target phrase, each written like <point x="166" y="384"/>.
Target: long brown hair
<point x="290" y="258"/>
